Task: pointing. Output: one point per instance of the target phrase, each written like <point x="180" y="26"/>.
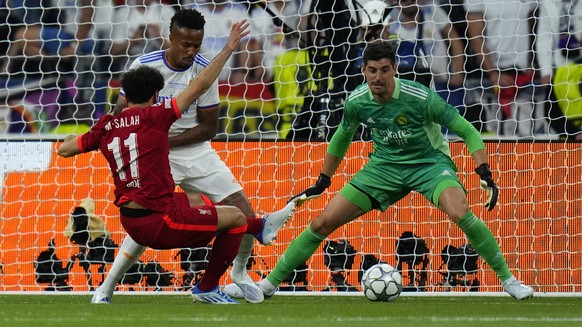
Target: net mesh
<point x="279" y="104"/>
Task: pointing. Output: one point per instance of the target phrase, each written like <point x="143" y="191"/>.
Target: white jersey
<point x="507" y="30"/>
<point x="557" y="20"/>
<point x="175" y="81"/>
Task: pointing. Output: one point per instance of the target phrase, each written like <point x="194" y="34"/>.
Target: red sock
<point x="224" y="250"/>
<point x="254" y="225"/>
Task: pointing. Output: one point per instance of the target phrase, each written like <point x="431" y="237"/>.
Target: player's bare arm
<point x="208" y="119"/>
<point x="480" y="157"/>
<point x="330" y="164"/>
<point x="205" y="130"/>
<point x="70" y="147"/>
<point x="119" y="105"/>
<point x="206" y="78"/>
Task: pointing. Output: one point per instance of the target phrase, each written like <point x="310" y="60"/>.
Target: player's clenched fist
<point x="323" y="182"/>
<point x="488" y="185"/>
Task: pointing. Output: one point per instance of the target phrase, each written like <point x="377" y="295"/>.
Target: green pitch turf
<point x="280" y="311"/>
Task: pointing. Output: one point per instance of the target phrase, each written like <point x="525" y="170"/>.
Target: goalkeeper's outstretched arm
<point x="336" y="150"/>
<point x="330" y="164"/>
<point x="472" y="138"/>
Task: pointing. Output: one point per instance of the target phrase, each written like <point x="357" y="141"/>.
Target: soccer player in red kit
<point x="135" y="144"/>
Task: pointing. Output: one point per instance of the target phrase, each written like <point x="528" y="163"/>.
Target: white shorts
<point x="205" y="173"/>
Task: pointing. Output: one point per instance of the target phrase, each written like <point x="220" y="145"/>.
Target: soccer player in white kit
<point x="196" y="167"/>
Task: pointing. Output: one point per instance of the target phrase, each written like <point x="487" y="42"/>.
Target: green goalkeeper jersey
<point x="405" y="130"/>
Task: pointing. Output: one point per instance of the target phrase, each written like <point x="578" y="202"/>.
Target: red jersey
<point x="135" y="144"/>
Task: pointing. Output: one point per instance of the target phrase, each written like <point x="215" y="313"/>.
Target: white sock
<point x="128" y="254"/>
<point x="239" y="264"/>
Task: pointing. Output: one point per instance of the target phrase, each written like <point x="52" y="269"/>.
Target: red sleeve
<point x="90" y="140"/>
<point x="80" y="143"/>
<point x="162" y="115"/>
<point x="175" y="106"/>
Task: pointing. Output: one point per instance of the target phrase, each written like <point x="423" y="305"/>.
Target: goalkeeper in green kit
<point x="410" y="153"/>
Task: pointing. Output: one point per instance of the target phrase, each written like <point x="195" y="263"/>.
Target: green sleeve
<point x="340" y="142"/>
<point x="342" y="138"/>
<point x="468" y="132"/>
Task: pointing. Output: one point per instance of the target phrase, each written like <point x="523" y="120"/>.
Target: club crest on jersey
<point x="401" y="120"/>
<point x="206" y="212"/>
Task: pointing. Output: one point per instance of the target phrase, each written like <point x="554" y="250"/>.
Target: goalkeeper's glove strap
<point x="323" y="180"/>
<point x="483" y="170"/>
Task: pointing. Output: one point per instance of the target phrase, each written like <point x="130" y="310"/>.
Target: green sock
<point x="484" y="243"/>
<point x="301" y="249"/>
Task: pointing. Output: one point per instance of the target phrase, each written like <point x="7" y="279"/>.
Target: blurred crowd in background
<point x="512" y="67"/>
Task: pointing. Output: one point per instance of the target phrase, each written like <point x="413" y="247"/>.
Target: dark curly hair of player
<point x="189" y="18"/>
<point x="141" y="84"/>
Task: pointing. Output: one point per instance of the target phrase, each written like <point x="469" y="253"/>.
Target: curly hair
<point x="141" y="84"/>
<point x="189" y="18"/>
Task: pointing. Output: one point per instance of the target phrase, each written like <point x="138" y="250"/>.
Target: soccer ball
<point x="382" y="282"/>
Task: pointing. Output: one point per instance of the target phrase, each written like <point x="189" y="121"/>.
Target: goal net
<point x="280" y="104"/>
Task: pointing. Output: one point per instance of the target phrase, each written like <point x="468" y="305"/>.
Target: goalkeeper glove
<point x="323" y="182"/>
<point x="488" y="185"/>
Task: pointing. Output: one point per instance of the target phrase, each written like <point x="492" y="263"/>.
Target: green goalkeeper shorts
<point x="379" y="184"/>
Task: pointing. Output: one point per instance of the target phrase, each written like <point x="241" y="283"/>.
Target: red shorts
<point x="181" y="227"/>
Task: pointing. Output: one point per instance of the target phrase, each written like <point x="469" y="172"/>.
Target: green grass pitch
<point x="279" y="311"/>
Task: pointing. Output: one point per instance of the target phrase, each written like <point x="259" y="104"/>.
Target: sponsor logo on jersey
<point x="399" y="137"/>
<point x="446" y="173"/>
<point x="370" y="120"/>
<point x="165" y="99"/>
